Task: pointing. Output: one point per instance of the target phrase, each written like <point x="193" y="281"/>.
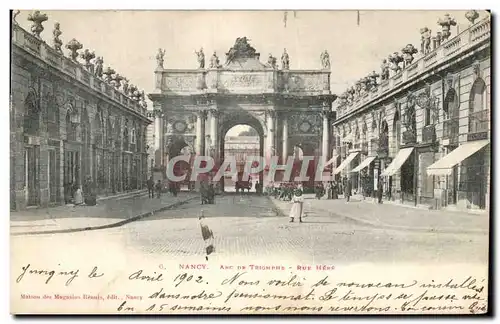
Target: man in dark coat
<point x="347" y="190"/>
<point x="151" y="187"/>
<point x="89" y="191"/>
<point x="158" y="189"/>
<point x="380" y="189"/>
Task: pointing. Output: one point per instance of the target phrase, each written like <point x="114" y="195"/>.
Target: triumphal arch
<point x="288" y="108"/>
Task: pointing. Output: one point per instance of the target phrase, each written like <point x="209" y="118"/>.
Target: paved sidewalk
<point x="393" y="216"/>
<point x="107" y="213"/>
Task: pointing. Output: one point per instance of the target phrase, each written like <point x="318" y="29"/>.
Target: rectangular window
<point x="427" y="116"/>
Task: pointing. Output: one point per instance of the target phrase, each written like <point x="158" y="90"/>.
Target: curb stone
<point x="112" y="225"/>
<point x="395" y="227"/>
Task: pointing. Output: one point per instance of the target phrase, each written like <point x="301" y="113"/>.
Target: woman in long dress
<point x="297" y="206"/>
<point x="79" y="196"/>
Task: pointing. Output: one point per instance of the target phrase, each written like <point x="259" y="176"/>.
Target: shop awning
<point x="398" y="161"/>
<point x="345" y="162"/>
<point x="366" y="162"/>
<point x="445" y="165"/>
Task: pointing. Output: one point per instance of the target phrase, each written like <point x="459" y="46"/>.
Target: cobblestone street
<point x="252" y="227"/>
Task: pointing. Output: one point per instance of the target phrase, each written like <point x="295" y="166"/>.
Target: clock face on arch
<point x="180" y="126"/>
<point x="304" y="127"/>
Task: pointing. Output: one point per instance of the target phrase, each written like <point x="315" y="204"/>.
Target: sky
<point x="129" y="40"/>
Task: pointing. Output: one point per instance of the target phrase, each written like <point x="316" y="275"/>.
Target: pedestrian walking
<point x="335" y="190"/>
<point x="151" y="187"/>
<point x="348" y="189"/>
<point x="380" y="189"/>
<point x="89" y="192"/>
<point x="158" y="189"/>
<point x="297" y="206"/>
<point x="207" y="235"/>
<point x="79" y="196"/>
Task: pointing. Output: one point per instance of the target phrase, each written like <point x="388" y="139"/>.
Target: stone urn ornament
<point x="446" y="22"/>
<point x="74" y="46"/>
<point x="87" y="56"/>
<point x="395" y="59"/>
<point x="125" y="85"/>
<point x="408" y="52"/>
<point x="471" y="16"/>
<point x="117" y="79"/>
<point x="37" y="19"/>
<point x="108" y="72"/>
<point x="373" y="79"/>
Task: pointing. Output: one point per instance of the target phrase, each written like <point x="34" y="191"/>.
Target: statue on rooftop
<point x="201" y="58"/>
<point x="98" y="69"/>
<point x="285" y="60"/>
<point x="214" y="61"/>
<point x="384" y="75"/>
<point x="271" y="61"/>
<point x="159" y="57"/>
<point x="57" y="42"/>
<point x="325" y="60"/>
<point x="426" y="40"/>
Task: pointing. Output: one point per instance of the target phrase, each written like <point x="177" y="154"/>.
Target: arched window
<point x="98" y="130"/>
<point x="396" y="131"/>
<point x="384" y="137"/>
<point x="31" y="113"/>
<point x="125" y="139"/>
<point x="451" y="105"/>
<point x="478" y="107"/>
<point x="374" y="128"/>
<point x="109" y="133"/>
<point x="133" y="136"/>
<point x="70" y="127"/>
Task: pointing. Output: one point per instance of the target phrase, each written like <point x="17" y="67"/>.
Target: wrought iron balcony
<point x="428" y="134"/>
<point x="479" y="124"/>
<point x="451" y="130"/>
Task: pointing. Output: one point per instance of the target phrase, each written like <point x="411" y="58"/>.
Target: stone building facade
<point x="70" y="122"/>
<point x="422" y="126"/>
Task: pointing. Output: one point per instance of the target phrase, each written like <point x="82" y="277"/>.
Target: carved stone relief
<point x="306" y="123"/>
<point x="242" y="81"/>
<point x="181" y="82"/>
<point x="181" y="124"/>
<point x="304" y="82"/>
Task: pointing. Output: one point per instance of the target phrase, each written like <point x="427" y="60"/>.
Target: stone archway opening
<point x="242" y="141"/>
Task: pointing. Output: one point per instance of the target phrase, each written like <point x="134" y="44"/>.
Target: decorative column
<point x="270" y="134"/>
<point x="285" y="139"/>
<point x="214" y="122"/>
<point x="326" y="136"/>
<point x="161" y="135"/>
<point x="200" y="132"/>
